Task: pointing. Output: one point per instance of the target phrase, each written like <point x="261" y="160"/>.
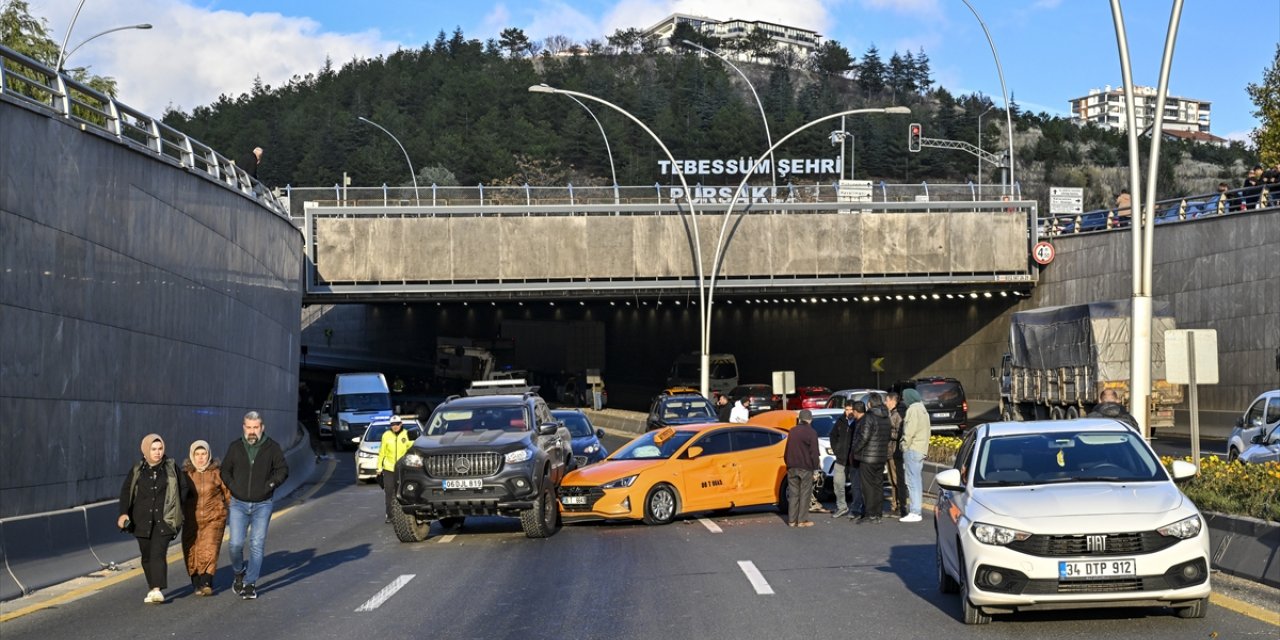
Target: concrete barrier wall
<point x="136" y="297"/>
<point x="517" y="248"/>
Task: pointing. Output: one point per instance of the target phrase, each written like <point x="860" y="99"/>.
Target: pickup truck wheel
<point x="543" y="520"/>
<point x="407" y="527"/>
<point x="660" y="505"/>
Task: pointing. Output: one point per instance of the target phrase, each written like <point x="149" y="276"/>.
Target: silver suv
<point x="1262" y="416"/>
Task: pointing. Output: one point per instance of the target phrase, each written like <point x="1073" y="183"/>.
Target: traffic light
<point x="913" y="137"/>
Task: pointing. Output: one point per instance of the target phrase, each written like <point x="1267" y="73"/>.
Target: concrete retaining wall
<point x="137" y="296"/>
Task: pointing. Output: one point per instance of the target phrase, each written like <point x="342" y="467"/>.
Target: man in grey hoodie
<point x="915" y="445"/>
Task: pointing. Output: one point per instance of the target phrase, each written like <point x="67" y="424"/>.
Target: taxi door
<point x="710" y="477"/>
<point x="759" y="464"/>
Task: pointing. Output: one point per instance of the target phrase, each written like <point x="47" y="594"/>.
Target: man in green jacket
<point x="395" y="443"/>
<point x="915" y="445"/>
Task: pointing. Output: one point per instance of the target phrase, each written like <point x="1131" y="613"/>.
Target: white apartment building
<point x="1106" y="108"/>
<point x="800" y="42"/>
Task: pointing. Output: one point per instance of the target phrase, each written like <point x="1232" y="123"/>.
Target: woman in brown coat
<point x="205" y="514"/>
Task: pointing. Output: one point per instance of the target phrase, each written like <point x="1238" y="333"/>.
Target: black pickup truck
<point x="490" y="455"/>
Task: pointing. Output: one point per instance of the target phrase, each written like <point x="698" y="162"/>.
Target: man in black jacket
<point x="841" y="438"/>
<point x="801" y="456"/>
<point x="871" y="449"/>
<point x="1109" y="407"/>
<point x="252" y="469"/>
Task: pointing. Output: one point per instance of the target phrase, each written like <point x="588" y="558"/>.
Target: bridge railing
<point x="29" y="82"/>
<point x="1167" y="210"/>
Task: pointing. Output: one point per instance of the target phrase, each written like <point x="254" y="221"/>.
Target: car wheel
<point x="1233" y="454"/>
<point x="1198" y="609"/>
<point x="660" y="506"/>
<point x="972" y="614"/>
<point x="946" y="584"/>
<point x="782" y="497"/>
<point x="408" y="527"/>
<point x="543" y="519"/>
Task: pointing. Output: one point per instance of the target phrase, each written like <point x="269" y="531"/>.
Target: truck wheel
<point x="660" y="505"/>
<point x="1072" y="413"/>
<point x="1055" y="413"/>
<point x="543" y="520"/>
<point x="407" y="526"/>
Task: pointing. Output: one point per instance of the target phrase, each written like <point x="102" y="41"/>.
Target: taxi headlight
<point x="412" y="460"/>
<point x="1000" y="536"/>
<point x="1184" y="528"/>
<point x="519" y="455"/>
<point x="620" y="483"/>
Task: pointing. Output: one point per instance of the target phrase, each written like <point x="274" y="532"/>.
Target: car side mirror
<point x="548" y="428"/>
<point x="693" y="452"/>
<point x="1183" y="470"/>
<point x="1240" y="422"/>
<point x="950" y="479"/>
<point x="599" y="433"/>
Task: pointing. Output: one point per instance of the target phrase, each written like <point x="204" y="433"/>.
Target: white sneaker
<point x="911" y="517"/>
<point x="155" y="596"/>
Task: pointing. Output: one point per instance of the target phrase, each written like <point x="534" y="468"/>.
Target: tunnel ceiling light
<point x="1004" y="294"/>
<point x="628" y="303"/>
<point x="936" y="296"/>
<point x="464" y="303"/>
<point x="677" y="303"/>
<point x="866" y="298"/>
<point x="581" y="303"/>
<point x="911" y="296"/>
<point x="986" y="294"/>
<point x="875" y="298"/>
<point x="612" y="303"/>
<point x="521" y="303"/>
<point x="551" y="302"/>
<point x="824" y="301"/>
<point x="843" y="299"/>
<point x="899" y="298"/>
<point x="973" y="295"/>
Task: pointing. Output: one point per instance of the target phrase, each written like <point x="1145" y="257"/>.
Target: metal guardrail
<point x="1168" y="210"/>
<point x="26" y="81"/>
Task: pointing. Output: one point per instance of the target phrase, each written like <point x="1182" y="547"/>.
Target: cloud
<point x="496" y="20"/>
<point x="908" y="7"/>
<point x="552" y="18"/>
<point x="192" y="55"/>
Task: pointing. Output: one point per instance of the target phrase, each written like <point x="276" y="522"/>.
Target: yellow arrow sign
<point x="877" y="365"/>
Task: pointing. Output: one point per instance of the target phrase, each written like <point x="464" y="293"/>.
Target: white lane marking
<point x="711" y="526"/>
<point x="446" y="539"/>
<point x="386" y="593"/>
<point x="757" y="579"/>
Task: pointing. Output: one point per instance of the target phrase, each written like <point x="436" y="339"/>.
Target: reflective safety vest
<point x="394" y="446"/>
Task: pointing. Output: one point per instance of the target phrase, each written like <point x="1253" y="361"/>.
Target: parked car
<point x="1067" y="514"/>
<point x="662" y="474"/>
<point x="679" y="409"/>
<point x="757" y="398"/>
<point x="943" y="398"/>
<point x="842" y="397"/>
<point x="809" y="398"/>
<point x="1263" y="448"/>
<point x="370" y="443"/>
<point x="587" y="448"/>
<point x="1262" y="415"/>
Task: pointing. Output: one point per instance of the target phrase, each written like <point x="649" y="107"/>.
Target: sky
<point x="1050" y="50"/>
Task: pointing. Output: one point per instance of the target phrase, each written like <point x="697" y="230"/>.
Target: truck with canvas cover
<point x="1061" y="358"/>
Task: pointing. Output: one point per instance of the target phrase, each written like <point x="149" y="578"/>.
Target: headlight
<point x="591" y="448"/>
<point x="620" y="483"/>
<point x="366" y="454"/>
<point x="1184" y="528"/>
<point x="342" y="424"/>
<point x="991" y="534"/>
<point x="519" y="455"/>
<point x="412" y="460"/>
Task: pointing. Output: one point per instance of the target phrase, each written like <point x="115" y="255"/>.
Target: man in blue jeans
<point x="916" y="429"/>
<point x="252" y="469"/>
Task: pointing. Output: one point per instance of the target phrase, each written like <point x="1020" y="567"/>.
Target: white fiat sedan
<point x="1067" y="514"/>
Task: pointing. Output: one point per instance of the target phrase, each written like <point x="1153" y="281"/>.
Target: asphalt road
<point x="331" y="560"/>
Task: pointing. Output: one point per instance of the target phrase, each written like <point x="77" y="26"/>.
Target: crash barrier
<point x="1245" y="547"/>
<point x="44" y="549"/>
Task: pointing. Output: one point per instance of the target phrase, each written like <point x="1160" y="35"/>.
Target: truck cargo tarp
<point x="1084" y="334"/>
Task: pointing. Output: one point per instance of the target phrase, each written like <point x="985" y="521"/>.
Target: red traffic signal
<point x="913" y="137"/>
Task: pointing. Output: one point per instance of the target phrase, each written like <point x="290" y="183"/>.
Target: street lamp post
<point x="62" y="57"/>
<point x="980" y="149"/>
<point x="692" y="220"/>
<point x="607" y="149"/>
<point x="417" y="201"/>
<point x="1008" y="114"/>
<point x="773" y="176"/>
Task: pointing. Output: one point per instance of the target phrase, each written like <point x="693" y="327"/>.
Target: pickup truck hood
<point x="488" y="439"/>
<point x="1080" y="499"/>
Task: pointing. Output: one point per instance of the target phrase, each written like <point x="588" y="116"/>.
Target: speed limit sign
<point x="1042" y="253"/>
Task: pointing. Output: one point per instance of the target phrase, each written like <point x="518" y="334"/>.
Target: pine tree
<point x="871" y="73"/>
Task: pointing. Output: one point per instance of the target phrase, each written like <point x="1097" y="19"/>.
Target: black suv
<point x="491" y="455"/>
<point x="944" y="400"/>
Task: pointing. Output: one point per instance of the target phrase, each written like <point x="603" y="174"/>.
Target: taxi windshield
<point x="645" y="447"/>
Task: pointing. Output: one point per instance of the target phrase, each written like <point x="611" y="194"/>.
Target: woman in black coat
<point x="151" y="509"/>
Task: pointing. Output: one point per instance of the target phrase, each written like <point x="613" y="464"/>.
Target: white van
<point x="356" y="400"/>
<point x="685" y="372"/>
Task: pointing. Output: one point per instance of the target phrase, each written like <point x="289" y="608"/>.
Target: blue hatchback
<point x="587" y="447"/>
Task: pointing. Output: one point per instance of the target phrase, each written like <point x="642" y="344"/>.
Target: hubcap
<point x="662" y="505"/>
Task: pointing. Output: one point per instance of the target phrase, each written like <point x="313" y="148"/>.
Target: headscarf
<point x="147" y="440"/>
<point x="191" y="454"/>
<point x="910" y="397"/>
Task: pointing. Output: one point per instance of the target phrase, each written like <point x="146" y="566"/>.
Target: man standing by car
<point x="801" y="457"/>
<point x="841" y="438"/>
<point x="915" y="446"/>
<point x="1109" y="407"/>
<point x="395" y="443"/>
<point x="870" y="448"/>
<point x="252" y="469"/>
<point x="897" y="483"/>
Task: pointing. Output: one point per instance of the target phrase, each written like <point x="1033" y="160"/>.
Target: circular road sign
<point x="1043" y="253"/>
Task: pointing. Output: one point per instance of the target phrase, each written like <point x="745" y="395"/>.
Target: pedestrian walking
<point x="204" y="513"/>
<point x="740" y="413"/>
<point x="252" y="470"/>
<point x="151" y="509"/>
<point x="801" y="457"/>
<point x="871" y="449"/>
<point x="1109" y="407"/>
<point x="897" y="483"/>
<point x="916" y="428"/>
<point x="395" y="443"/>
<point x="841" y="439"/>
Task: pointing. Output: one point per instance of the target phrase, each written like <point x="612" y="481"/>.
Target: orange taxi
<point x="677" y="470"/>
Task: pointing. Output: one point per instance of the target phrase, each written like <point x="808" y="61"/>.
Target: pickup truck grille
<point x="463" y="465"/>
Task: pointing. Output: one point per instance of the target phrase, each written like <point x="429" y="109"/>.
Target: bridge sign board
<point x="1066" y="199"/>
